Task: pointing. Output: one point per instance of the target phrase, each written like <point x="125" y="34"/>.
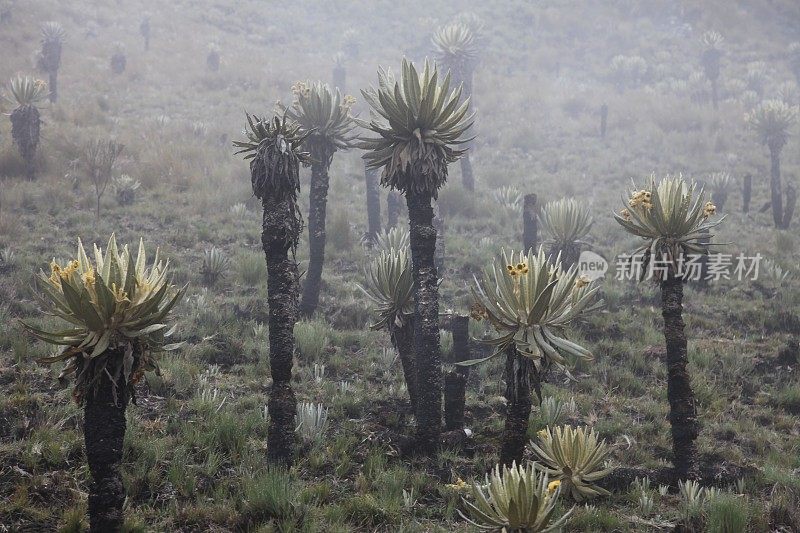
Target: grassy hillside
<point x="195" y="447"/>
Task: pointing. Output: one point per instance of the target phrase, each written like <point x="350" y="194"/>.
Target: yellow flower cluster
<point x="458" y="486"/>
<point x="57" y="273"/>
<point x="582" y="281"/>
<point x="709" y="209"/>
<point x="553" y="485"/>
<point x="519" y="268"/>
<point x="641" y="198"/>
<point x="625" y="214"/>
<point x="40" y="84"/>
<point x="301" y="89"/>
<point x="348" y="101"/>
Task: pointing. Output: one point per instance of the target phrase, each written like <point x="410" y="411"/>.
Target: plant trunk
<point x="393" y="207"/>
<point x="519" y="374"/>
<point x="403" y="340"/>
<point x="318" y="200"/>
<point x="467" y="177"/>
<point x="373" y="204"/>
<point x="775" y="186"/>
<point x="719" y="198"/>
<point x="715" y="93"/>
<point x="25" y="130"/>
<point x="339" y="78"/>
<point x="530" y="225"/>
<point x="791" y="201"/>
<point x="603" y="120"/>
<point x="747" y="193"/>
<point x="570" y="253"/>
<point x="683" y="414"/>
<point x="104" y="433"/>
<point x="53" y="86"/>
<point x="426" y="321"/>
<point x="282" y="289"/>
<point x="455" y="381"/>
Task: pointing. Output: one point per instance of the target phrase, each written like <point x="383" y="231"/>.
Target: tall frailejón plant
<point x="710" y="58"/>
<point x="567" y="222"/>
<point x="389" y="286"/>
<point x="26" y="92"/>
<point x="116" y="307"/>
<point x="323" y="116"/>
<point x="274" y="150"/>
<point x="771" y="120"/>
<point x="674" y="222"/>
<point x="457" y="50"/>
<point x="530" y="302"/>
<point x="419" y="124"/>
<point x="50" y="56"/>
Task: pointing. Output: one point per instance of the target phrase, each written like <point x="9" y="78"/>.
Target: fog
<point x="399" y="266"/>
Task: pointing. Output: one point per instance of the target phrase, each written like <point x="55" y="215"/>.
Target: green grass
<point x="194" y="456"/>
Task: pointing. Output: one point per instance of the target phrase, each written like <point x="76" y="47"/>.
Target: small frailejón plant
<point x="273" y="148"/>
<point x="772" y="120"/>
<point x="720" y="184"/>
<point x="310" y="422"/>
<point x="673" y="219"/>
<point x="575" y="457"/>
<point x="516" y="498"/>
<point x="397" y="238"/>
<point x="323" y="115"/>
<point x="417" y="127"/>
<point x="530" y="302"/>
<point x="116" y="307"/>
<point x="568" y="222"/>
<point x="26" y="92"/>
<point x="215" y="265"/>
<point x="710" y="58"/>
<point x="391" y="289"/>
<point x="124" y="188"/>
<point x="53" y="35"/>
<point x="456" y="49"/>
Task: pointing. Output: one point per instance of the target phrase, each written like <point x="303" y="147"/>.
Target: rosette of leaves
<point x="531" y="302"/>
<point x="515" y="498"/>
<point x="673" y="219"/>
<point x="116" y="306"/>
<point x="574" y="456"/>
<point x="418" y="123"/>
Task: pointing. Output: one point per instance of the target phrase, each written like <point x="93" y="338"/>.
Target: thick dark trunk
<point x="603" y="120"/>
<point x="318" y="200"/>
<point x="282" y="289"/>
<point x="683" y="414"/>
<point x="467" y="177"/>
<point x="53" y="86"/>
<point x="373" y="204"/>
<point x="791" y="202"/>
<point x="570" y="254"/>
<point x="747" y="193"/>
<point x="775" y="186"/>
<point x="426" y="321"/>
<point x="104" y="433"/>
<point x="530" y="225"/>
<point x="339" y="78"/>
<point x="393" y="207"/>
<point x="438" y="223"/>
<point x="719" y="198"/>
<point x="715" y="93"/>
<point x="455" y="381"/>
<point x="403" y="340"/>
<point x="25" y="130"/>
<point x="519" y="373"/>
